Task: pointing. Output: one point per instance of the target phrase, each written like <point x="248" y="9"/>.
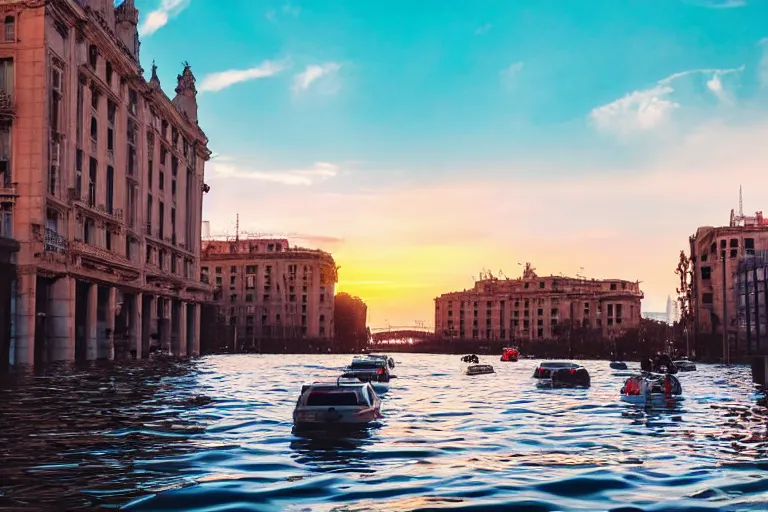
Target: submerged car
<point x="618" y="365"/>
<point x="479" y="369"/>
<point x="652" y="390"/>
<point x="562" y="375"/>
<point x="685" y="365"/>
<point x="389" y="360"/>
<point x="369" y="369"/>
<point x="471" y="358"/>
<point x="340" y="403"/>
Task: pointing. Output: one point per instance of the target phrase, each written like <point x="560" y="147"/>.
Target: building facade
<point x="533" y="307"/>
<point x="716" y="254"/>
<point x="752" y="290"/>
<point x="107" y="177"/>
<point x="266" y="289"/>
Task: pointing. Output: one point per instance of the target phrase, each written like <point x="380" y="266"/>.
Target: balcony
<point x="8" y="194"/>
<point x="54" y="242"/>
<point x="7" y="109"/>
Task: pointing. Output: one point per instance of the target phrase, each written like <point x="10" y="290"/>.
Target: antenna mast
<point x="237" y="228"/>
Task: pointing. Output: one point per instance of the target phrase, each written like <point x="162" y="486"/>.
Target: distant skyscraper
<point x="670" y="310"/>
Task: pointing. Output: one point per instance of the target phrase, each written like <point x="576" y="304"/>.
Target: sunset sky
<point x="421" y="141"/>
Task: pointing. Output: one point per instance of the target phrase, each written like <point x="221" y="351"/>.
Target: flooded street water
<point x="215" y="435"/>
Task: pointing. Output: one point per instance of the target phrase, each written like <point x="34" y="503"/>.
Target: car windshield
<point x="332" y="398"/>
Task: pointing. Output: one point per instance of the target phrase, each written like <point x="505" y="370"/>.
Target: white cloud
<point x="224" y="79"/>
<point x="720" y="4"/>
<point x="637" y="111"/>
<point x="303" y="80"/>
<point x="482" y="30"/>
<point x="287" y="9"/>
<point x="509" y="74"/>
<point x="651" y="108"/>
<point x="226" y="168"/>
<point x="158" y="18"/>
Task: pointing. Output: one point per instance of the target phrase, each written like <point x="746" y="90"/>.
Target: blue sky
<point x="421" y="141"/>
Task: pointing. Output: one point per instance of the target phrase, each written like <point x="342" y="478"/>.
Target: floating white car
<point x="346" y="402"/>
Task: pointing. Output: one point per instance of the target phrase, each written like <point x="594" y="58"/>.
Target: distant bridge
<point x="415" y="333"/>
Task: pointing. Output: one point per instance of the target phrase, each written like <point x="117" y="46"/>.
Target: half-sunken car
<point x="340" y="403"/>
<point x="561" y="375"/>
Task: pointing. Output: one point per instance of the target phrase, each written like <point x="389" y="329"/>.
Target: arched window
<point x="10" y="29"/>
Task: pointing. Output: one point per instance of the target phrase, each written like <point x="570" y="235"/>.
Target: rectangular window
<point x="706" y="298"/>
<point x="706" y="272"/>
<point x="92" y="172"/>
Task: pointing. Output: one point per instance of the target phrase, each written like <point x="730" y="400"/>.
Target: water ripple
<point x="215" y="435"/>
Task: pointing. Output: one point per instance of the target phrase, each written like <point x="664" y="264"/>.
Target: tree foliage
<point x="349" y="317"/>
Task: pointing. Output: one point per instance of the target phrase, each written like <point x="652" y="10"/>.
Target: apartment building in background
<point x="723" y="259"/>
<point x="106" y="178"/>
<point x="537" y="308"/>
<point x="266" y="289"/>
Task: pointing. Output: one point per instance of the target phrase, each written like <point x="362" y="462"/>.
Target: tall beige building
<point x="269" y="290"/>
<point x="107" y="175"/>
<point x="534" y="307"/>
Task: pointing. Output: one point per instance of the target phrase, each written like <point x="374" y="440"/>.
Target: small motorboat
<point x="471" y="358"/>
<point x="389" y="360"/>
<point x="561" y="375"/>
<point x="685" y="365"/>
<point x="345" y="402"/>
<point x="652" y="390"/>
<point x="510" y="354"/>
<point x="618" y="365"/>
<point x="479" y="369"/>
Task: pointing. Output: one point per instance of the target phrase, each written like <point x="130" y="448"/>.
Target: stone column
<point x="61" y="319"/>
<point x="24" y="337"/>
<point x="182" y="351"/>
<point x="108" y="351"/>
<point x="167" y="323"/>
<point x="136" y="325"/>
<point x="195" y="334"/>
<point x="147" y="328"/>
<point x="91" y="323"/>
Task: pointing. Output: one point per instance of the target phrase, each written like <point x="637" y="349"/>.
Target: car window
<point x="334" y="398"/>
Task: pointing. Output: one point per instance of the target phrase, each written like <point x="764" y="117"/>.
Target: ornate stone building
<point x="534" y="307"/>
<point x="269" y="290"/>
<point x="106" y="174"/>
<point x="718" y="255"/>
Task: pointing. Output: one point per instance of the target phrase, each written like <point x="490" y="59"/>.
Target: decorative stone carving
<point x="154" y="82"/>
<point x="186" y="81"/>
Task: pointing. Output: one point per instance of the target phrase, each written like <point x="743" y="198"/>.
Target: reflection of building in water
<point x="534" y="307"/>
<point x="268" y="290"/>
<point x="105" y="178"/>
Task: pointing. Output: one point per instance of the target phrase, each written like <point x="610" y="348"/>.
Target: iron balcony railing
<point x="54" y="242"/>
